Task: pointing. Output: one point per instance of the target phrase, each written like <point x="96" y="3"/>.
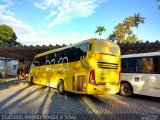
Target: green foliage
<point x="100" y="30"/>
<point x="123" y="31"/>
<point x="131" y="39"/>
<point x="159" y="5"/>
<point x="137" y="19"/>
<point x="7" y="36"/>
<point x="128" y="22"/>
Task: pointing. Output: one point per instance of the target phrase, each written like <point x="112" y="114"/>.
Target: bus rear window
<point x="106" y="47"/>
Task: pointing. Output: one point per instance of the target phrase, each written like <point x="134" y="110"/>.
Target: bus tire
<point x="60" y="87"/>
<point x="125" y="89"/>
<point x="31" y="81"/>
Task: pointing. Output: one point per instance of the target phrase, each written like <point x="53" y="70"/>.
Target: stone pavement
<point x="20" y="100"/>
<point x="7" y="79"/>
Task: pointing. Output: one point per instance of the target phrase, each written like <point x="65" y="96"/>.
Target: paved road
<point x="19" y="100"/>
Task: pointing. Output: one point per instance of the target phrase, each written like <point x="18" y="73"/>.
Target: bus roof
<point x="141" y="55"/>
<point x="59" y="49"/>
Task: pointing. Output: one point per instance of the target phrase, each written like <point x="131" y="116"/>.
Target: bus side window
<point x="57" y="57"/>
<point x="138" y="65"/>
<point x="124" y="65"/>
<point x="90" y="47"/>
<point x="36" y="63"/>
<point x="42" y="60"/>
<point x="47" y="62"/>
<point x="82" y="50"/>
<point x="130" y="65"/>
<point x="150" y="67"/>
<point x="52" y="58"/>
<point x="156" y="64"/>
<point x="74" y="54"/>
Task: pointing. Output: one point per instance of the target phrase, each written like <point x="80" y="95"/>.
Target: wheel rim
<point x="61" y="88"/>
<point x="125" y="89"/>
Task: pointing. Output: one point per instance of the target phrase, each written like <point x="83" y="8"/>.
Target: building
<point x="8" y="68"/>
<point x="25" y="54"/>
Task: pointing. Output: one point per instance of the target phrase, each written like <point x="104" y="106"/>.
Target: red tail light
<point x="92" y="77"/>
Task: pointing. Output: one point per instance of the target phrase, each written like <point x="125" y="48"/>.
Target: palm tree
<point x="159" y="5"/>
<point x="137" y="19"/>
<point x="100" y="30"/>
<point x="128" y="22"/>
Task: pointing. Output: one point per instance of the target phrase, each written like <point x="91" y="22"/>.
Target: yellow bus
<point x="88" y="67"/>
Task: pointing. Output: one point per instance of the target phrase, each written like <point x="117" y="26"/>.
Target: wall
<point x="8" y="68"/>
<point x="11" y="67"/>
<point x="2" y="63"/>
<point x="2" y="68"/>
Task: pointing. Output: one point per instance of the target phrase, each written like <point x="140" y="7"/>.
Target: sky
<point x="45" y="22"/>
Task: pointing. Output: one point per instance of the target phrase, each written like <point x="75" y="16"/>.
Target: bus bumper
<point x="102" y="90"/>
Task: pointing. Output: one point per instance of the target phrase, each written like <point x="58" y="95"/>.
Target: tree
<point x="137" y="19"/>
<point x="159" y="5"/>
<point x="123" y="31"/>
<point x="128" y="22"/>
<point x="7" y="36"/>
<point x="119" y="32"/>
<point x="112" y="37"/>
<point x="100" y="30"/>
<point x="131" y="39"/>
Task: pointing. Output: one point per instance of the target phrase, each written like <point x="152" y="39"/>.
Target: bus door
<point x="79" y="83"/>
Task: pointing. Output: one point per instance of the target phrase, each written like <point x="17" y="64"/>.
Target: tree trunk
<point x="137" y="33"/>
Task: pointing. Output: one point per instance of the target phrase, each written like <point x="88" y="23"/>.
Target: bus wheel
<point x="60" y="87"/>
<point x="31" y="80"/>
<point x="125" y="90"/>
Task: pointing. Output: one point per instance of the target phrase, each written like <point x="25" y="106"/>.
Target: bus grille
<point x="107" y="65"/>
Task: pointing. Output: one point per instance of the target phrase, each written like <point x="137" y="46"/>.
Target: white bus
<point x="140" y="74"/>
